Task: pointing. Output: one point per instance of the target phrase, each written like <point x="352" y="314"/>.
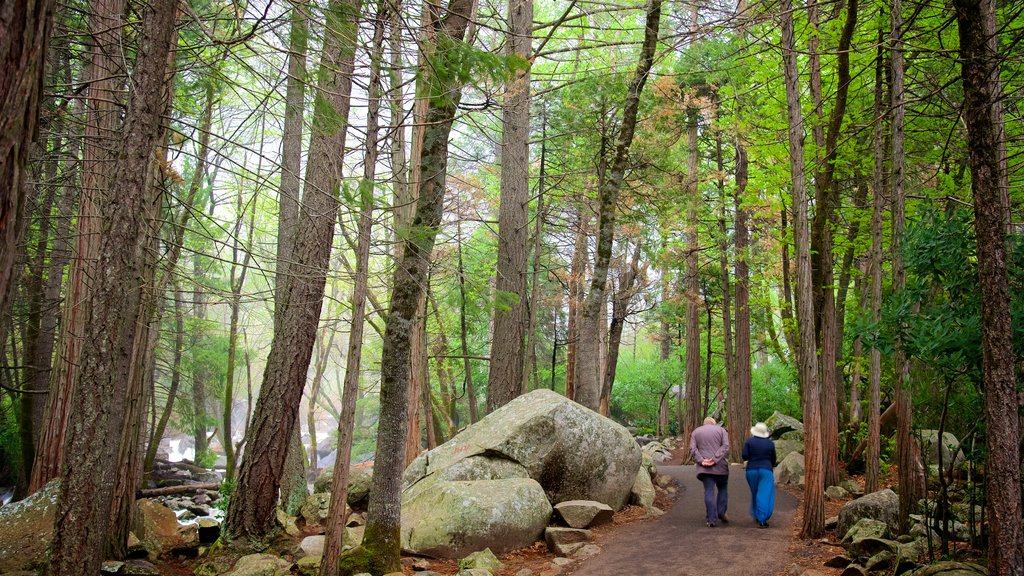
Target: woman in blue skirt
<point x="759" y="452"/>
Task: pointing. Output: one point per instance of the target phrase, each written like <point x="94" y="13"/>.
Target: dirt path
<point x="680" y="544"/>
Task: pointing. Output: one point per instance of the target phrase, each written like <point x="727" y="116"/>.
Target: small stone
<point x="586" y="551"/>
<point x="562" y="562"/>
<point x="838" y="562"/>
<point x="654" y="512"/>
<point x="484" y="559"/>
<point x="525" y="572"/>
<point x="309" y="565"/>
<point x="112" y="567"/>
<point x="420" y="564"/>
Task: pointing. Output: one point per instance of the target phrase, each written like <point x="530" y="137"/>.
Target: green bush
<point x="774" y="387"/>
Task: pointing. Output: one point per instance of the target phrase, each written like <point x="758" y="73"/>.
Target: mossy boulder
<point x="454" y="518"/>
<point x="26" y="529"/>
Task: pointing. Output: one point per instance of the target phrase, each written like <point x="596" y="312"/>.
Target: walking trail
<point x="680" y="544"/>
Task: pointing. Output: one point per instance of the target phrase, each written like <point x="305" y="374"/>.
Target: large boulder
<point x="952" y="569"/>
<point x="261" y="565"/>
<point x="161" y="533"/>
<point x="358" y="484"/>
<point x="573" y="452"/>
<point x="453" y="518"/>
<point x="779" y="424"/>
<point x="791" y="470"/>
<point x="948" y="448"/>
<point x="26" y="529"/>
<point x="883" y="506"/>
<point x="783" y="448"/>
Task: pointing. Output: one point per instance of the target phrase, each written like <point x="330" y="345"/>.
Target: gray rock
<point x="451" y="519"/>
<point x="260" y="565"/>
<point x="880" y="561"/>
<point x="868" y="549"/>
<point x="658" y="452"/>
<point x="831" y="522"/>
<point x="574" y="453"/>
<point x="584" y="513"/>
<point x="358" y="484"/>
<point x="587" y="551"/>
<point x="783" y="448"/>
<point x="316" y="508"/>
<point x="139" y="568"/>
<point x="797" y="435"/>
<point x="207" y="530"/>
<point x="562" y="562"/>
<point x="836" y="492"/>
<point x="882" y="506"/>
<point x="311" y="546"/>
<point x="161" y="532"/>
<point x="483" y="559"/>
<point x="951" y="569"/>
<point x="473" y="572"/>
<point x="838" y="562"/>
<point x="854" y="570"/>
<point x="931" y="448"/>
<point x="309" y="565"/>
<point x="865" y="528"/>
<point x="565" y="541"/>
<point x="26" y="529"/>
<point x="791" y="470"/>
<point x="642" y="492"/>
<point x="851" y="486"/>
<point x="779" y="424"/>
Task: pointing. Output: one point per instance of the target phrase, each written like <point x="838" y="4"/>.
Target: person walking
<point x="709" y="445"/>
<point x="759" y="453"/>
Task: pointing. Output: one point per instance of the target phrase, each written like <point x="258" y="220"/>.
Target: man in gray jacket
<point x="709" y="445"/>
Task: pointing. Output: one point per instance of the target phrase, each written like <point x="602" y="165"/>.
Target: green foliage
<point x="639" y="386"/>
<point x="226" y="489"/>
<point x="10" y="441"/>
<point x="774" y="387"/>
<point x="455" y="63"/>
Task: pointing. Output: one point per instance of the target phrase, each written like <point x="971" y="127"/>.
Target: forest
<point x="271" y="237"/>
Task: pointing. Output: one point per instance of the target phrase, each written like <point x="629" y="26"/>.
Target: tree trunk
<point x="24" y="33"/>
<point x="533" y="304"/>
<point x="102" y="76"/>
<point x="874" y="445"/>
<point x="467" y="367"/>
<point x="505" y="380"/>
<point x="628" y="278"/>
<point x="380" y="549"/>
<point x="694" y="414"/>
<point x="814" y="491"/>
<point x="588" y="391"/>
<point x="251" y="511"/>
<point x="742" y="381"/>
<point x="989" y="183"/>
<point x="88" y="478"/>
<point x="289" y="190"/>
<point x="236" y="283"/>
<point x="911" y="487"/>
<point x="577" y="271"/>
<point x="172" y="391"/>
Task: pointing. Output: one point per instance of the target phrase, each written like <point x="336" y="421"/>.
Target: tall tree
<point x="380" y="549"/>
<point x="814" y="490"/>
<point x="873" y="458"/>
<point x="24" y="34"/>
<point x="740" y="394"/>
<point x="911" y="487"/>
<point x="346" y="423"/>
<point x="505" y="380"/>
<point x="251" y="511"/>
<point x="694" y="414"/>
<point x="588" y="372"/>
<point x="102" y="76"/>
<point x="979" y="69"/>
<point x="88" y="478"/>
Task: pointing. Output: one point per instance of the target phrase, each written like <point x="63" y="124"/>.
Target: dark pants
<point x="715" y="505"/>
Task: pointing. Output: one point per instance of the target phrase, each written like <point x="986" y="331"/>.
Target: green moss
<point x="379" y="553"/>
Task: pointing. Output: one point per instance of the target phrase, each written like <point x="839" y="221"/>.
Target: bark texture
<point x="505" y="380"/>
<point x="88" y="479"/>
<point x="24" y="34"/>
<point x="985" y="136"/>
<point x="381" y="547"/>
<point x="814" y="491"/>
<point x="588" y="370"/>
<point x="251" y="511"/>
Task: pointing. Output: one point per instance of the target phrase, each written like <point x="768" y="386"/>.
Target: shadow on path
<point x="679" y="543"/>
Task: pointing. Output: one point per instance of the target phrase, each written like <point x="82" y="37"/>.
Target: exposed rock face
<point x="882" y="506"/>
<point x="358" y="485"/>
<point x="791" y="470"/>
<point x="450" y="519"/>
<point x="783" y="448"/>
<point x="261" y="565"/>
<point x="779" y="424"/>
<point x="584" y="513"/>
<point x="573" y="452"/>
<point x="931" y="448"/>
<point x="26" y="529"/>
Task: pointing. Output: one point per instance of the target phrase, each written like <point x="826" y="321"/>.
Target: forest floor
<point x="675" y="543"/>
